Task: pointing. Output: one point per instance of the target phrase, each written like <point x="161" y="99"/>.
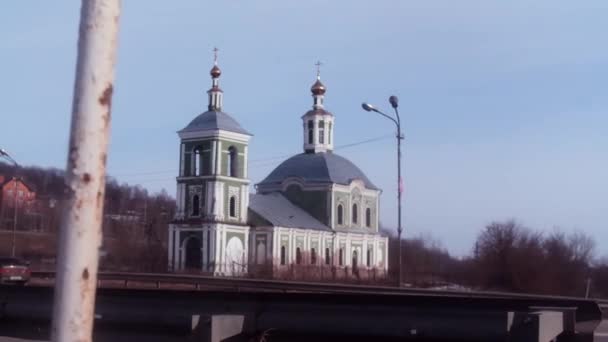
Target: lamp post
<point x="5" y="154"/>
<point x="394" y="101"/>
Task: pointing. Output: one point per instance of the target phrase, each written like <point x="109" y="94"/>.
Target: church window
<point x="310" y="131"/>
<point x="327" y="256"/>
<point x="198" y="161"/>
<point x="368" y="217"/>
<point x="313" y="256"/>
<point x="369" y="257"/>
<point x="329" y="133"/>
<point x="232" y="161"/>
<point x="340" y="257"/>
<point x="340" y="214"/>
<point x="283" y="261"/>
<point x="196" y="205"/>
<point x="232" y="206"/>
<point x="321" y="132"/>
<point x="298" y="256"/>
<point x="355" y="213"/>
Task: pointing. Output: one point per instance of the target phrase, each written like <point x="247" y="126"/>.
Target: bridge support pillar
<point x="217" y="328"/>
<point x="540" y="326"/>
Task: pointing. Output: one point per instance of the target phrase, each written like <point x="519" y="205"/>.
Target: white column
<point x="246" y="256"/>
<point x="182" y="156"/>
<point x="364" y="252"/>
<point x="181" y="251"/>
<point x="243" y="204"/>
<point x="171" y="249"/>
<point x="245" y="158"/>
<point x="292" y="245"/>
<point x="213" y="156"/>
<point x="224" y="244"/>
<point x="305" y="133"/>
<point x="315" y="133"/>
<point x="332" y="209"/>
<point x="377" y="220"/>
<point x="347" y="253"/>
<point x="178" y="195"/>
<point x="204" y="248"/>
<point x="219" y="156"/>
<point x="385" y="252"/>
<point x="216" y="237"/>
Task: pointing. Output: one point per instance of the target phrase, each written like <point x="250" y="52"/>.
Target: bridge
<point x="169" y="307"/>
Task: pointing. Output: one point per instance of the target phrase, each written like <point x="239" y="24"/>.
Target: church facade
<point x="315" y="210"/>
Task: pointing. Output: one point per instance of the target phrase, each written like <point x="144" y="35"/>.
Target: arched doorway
<point x="355" y="259"/>
<point x="194" y="256"/>
<point x="235" y="261"/>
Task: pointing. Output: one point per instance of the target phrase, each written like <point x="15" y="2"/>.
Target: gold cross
<point x="318" y="64"/>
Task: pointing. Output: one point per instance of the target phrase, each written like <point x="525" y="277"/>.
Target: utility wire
<point x="256" y="162"/>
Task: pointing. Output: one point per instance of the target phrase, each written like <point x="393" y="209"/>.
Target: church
<point x="315" y="211"/>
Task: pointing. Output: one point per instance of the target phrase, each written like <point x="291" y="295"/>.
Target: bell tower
<point x="212" y="190"/>
<point x="318" y="124"/>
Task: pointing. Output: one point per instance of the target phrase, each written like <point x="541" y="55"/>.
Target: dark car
<point x="14" y="271"/>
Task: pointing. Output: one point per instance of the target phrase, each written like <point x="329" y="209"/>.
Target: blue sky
<point x="504" y="102"/>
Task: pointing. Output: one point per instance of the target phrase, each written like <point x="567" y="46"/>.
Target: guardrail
<point x="287" y="307"/>
<point x="202" y="282"/>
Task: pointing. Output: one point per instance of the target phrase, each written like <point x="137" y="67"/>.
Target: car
<point x="14" y="271"/>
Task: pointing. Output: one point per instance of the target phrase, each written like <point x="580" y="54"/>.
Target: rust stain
<point x="104" y="159"/>
<point x="106" y="97"/>
<point x="99" y="199"/>
<point x="73" y="156"/>
<point x="86" y="177"/>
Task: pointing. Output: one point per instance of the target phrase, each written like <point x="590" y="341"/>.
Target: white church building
<point x="315" y="210"/>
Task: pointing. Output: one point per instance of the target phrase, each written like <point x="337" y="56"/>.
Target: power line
<point x="257" y="162"/>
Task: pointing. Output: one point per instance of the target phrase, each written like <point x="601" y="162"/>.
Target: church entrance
<point x="235" y="260"/>
<point x="194" y="256"/>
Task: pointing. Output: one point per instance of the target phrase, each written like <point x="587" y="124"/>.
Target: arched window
<point x="232" y="206"/>
<point x="329" y="133"/>
<point x="283" y="261"/>
<point x="369" y="257"/>
<point x="313" y="256"/>
<point x="340" y="214"/>
<point x="232" y="161"/>
<point x="311" y="127"/>
<point x="368" y="217"/>
<point x="327" y="256"/>
<point x="321" y="132"/>
<point x="298" y="256"/>
<point x="340" y="257"/>
<point x="196" y="205"/>
<point x="355" y="213"/>
<point x="355" y="259"/>
<point x="197" y="161"/>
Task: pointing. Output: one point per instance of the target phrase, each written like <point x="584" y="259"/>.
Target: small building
<point x="314" y="211"/>
<point x="15" y="190"/>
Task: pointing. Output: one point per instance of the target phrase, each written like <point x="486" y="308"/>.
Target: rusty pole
<point x="80" y="234"/>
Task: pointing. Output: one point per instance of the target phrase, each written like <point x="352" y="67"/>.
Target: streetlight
<point x="394" y="101"/>
<point x="5" y="154"/>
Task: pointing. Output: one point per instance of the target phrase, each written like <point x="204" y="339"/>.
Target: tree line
<point x="134" y="223"/>
<point x="508" y="256"/>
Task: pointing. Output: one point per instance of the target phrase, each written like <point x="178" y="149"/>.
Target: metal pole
<point x="399" y="191"/>
<point x="15" y="199"/>
<point x="80" y="234"/>
<point x="4" y="153"/>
